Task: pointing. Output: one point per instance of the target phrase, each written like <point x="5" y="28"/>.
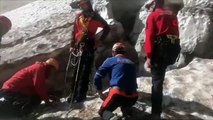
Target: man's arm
<point x="101" y="73"/>
<point x="150" y="35"/>
<point x="40" y="85"/>
<point x="106" y="28"/>
<point x="106" y="31"/>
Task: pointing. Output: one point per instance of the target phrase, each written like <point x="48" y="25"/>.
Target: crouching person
<point x="27" y="88"/>
<point x="123" y="83"/>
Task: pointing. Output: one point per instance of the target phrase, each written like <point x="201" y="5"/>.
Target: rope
<point x="71" y="61"/>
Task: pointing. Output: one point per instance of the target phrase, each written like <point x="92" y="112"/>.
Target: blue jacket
<point x="122" y="73"/>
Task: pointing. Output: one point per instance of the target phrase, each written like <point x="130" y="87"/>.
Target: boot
<point x="108" y="115"/>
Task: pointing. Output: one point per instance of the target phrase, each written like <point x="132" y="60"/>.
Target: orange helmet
<point x="53" y="62"/>
<point x="118" y="47"/>
<point x="5" y="23"/>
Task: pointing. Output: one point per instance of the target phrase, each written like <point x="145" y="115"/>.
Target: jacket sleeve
<point x="150" y="35"/>
<point x="40" y="85"/>
<point x="101" y="73"/>
<point x="106" y="28"/>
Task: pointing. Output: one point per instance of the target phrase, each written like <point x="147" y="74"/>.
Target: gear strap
<point x="84" y="23"/>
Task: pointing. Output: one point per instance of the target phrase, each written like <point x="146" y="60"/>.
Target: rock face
<point x="196" y="29"/>
<point x="195" y="22"/>
<point x="40" y="30"/>
<point x="43" y="28"/>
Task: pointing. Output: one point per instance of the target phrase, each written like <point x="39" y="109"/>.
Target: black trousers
<point x="158" y="75"/>
<point x="17" y="104"/>
<point x="84" y="75"/>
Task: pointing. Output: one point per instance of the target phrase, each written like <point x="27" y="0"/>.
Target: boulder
<point x="195" y="21"/>
<point x="42" y="29"/>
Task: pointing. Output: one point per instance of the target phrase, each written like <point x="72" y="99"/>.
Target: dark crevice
<point x="125" y="12"/>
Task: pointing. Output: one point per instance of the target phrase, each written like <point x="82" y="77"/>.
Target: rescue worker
<point x="5" y="25"/>
<point x="85" y="26"/>
<point x="161" y="48"/>
<point x="123" y="86"/>
<point x="27" y="88"/>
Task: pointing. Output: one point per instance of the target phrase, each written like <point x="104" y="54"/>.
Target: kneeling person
<point x="123" y="83"/>
<point x="27" y="88"/>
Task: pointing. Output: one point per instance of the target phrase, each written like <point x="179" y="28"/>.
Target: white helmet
<point x="118" y="47"/>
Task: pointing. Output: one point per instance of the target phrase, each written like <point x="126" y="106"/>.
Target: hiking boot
<point x="80" y="98"/>
<point x="127" y="112"/>
<point x="108" y="115"/>
<point x="155" y="117"/>
<point x="152" y="117"/>
<point x="116" y="117"/>
<point x="76" y="100"/>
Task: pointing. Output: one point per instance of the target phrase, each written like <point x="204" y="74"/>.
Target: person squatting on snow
<point x="85" y="26"/>
<point x="123" y="86"/>
<point x="5" y="26"/>
<point x="162" y="46"/>
<point x="27" y="88"/>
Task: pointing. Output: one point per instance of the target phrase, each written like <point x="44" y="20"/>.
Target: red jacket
<point x="29" y="81"/>
<point x="94" y="22"/>
<point x="159" y="23"/>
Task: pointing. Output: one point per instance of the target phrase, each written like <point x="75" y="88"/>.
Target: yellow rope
<point x="84" y="22"/>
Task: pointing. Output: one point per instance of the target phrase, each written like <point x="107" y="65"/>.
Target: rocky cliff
<point x="43" y="28"/>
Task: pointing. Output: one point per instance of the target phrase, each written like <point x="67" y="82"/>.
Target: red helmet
<point x="5" y="23"/>
<point x="118" y="47"/>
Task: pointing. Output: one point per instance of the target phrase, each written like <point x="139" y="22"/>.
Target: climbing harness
<point x="74" y="61"/>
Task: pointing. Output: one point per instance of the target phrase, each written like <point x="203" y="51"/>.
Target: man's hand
<point x="101" y="95"/>
<point x="54" y="98"/>
<point x="71" y="49"/>
<point x="148" y="62"/>
<point x="50" y="103"/>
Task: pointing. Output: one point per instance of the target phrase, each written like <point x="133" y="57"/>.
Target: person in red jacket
<point x="27" y="88"/>
<point x="5" y="25"/>
<point x="161" y="48"/>
<point x="86" y="25"/>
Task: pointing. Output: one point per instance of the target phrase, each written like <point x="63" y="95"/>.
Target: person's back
<point x="27" y="88"/>
<point x="23" y="81"/>
<point x="166" y="22"/>
<point x="123" y="83"/>
<point x="123" y="74"/>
